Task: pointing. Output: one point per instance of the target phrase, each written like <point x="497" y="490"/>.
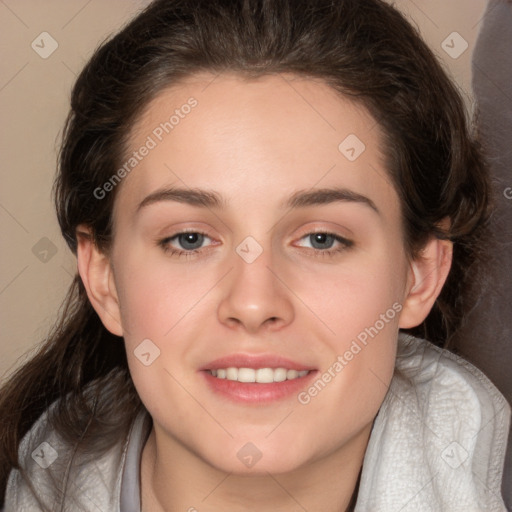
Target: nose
<point x="255" y="297"/>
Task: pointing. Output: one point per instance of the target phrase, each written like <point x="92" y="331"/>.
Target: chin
<point x="257" y="458"/>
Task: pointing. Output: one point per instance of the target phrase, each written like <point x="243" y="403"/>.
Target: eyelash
<point x="168" y="249"/>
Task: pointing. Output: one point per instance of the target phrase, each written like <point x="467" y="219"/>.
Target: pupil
<point x="322" y="238"/>
<point x="191" y="240"/>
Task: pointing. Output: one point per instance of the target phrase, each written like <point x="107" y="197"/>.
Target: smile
<point x="259" y="375"/>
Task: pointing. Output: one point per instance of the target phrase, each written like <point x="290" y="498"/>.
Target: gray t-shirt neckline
<point x="130" y="482"/>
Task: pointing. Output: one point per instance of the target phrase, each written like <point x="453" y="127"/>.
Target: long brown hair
<point x="364" y="49"/>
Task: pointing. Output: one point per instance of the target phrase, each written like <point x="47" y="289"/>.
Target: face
<point x="256" y="231"/>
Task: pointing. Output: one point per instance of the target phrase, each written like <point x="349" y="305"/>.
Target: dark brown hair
<point x="364" y="49"/>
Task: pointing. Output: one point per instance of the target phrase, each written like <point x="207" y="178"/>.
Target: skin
<point x="256" y="143"/>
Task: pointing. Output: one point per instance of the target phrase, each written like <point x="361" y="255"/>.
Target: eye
<point x="190" y="243"/>
<point x="185" y="243"/>
<point x="326" y="244"/>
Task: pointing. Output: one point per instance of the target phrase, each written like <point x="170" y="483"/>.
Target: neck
<point x="175" y="479"/>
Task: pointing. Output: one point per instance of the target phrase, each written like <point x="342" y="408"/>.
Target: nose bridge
<point x="253" y="296"/>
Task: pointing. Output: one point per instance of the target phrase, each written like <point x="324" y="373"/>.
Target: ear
<point x="96" y="272"/>
<point x="427" y="275"/>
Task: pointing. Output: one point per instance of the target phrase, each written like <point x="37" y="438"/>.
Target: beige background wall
<point x="35" y="265"/>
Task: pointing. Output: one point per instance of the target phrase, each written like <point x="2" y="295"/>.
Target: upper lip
<point x="255" y="361"/>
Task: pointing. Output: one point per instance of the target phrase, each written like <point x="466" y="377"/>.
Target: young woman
<point x="271" y="203"/>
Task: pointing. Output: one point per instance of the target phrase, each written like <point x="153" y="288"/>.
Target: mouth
<point x="256" y="379"/>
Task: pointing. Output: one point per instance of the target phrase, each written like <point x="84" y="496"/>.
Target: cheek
<point x="364" y="292"/>
<point x="160" y="307"/>
<point x="352" y="384"/>
<point x="154" y="296"/>
<point x="358" y="310"/>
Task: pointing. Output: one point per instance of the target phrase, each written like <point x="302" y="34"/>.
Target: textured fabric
<point x="437" y="444"/>
<point x="439" y="440"/>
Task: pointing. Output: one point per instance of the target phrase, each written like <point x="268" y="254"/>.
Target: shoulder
<point x="440" y="436"/>
<point x="51" y="468"/>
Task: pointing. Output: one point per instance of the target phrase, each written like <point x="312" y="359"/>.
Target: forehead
<point x="254" y="138"/>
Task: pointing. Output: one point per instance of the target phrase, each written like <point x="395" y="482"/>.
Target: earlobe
<point x="96" y="272"/>
<point x="427" y="276"/>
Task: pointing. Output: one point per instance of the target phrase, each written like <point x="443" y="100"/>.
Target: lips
<point x="256" y="361"/>
<point x="256" y="379"/>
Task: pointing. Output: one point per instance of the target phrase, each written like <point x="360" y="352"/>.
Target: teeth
<point x="261" y="375"/>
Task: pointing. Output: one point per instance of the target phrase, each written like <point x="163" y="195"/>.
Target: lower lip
<point x="253" y="392"/>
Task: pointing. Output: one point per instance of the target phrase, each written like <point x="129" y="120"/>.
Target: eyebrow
<point x="300" y="199"/>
